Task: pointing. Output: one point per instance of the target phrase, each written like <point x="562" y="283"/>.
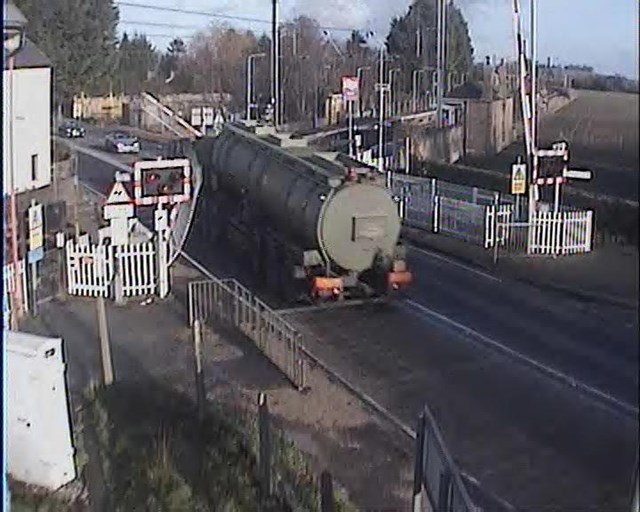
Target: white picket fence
<point x="8" y="288"/>
<point x="561" y="233"/>
<point x="91" y="269"/>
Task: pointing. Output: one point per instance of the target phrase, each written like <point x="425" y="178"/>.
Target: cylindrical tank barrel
<point x="351" y="223"/>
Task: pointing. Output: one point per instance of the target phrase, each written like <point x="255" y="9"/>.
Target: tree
<point x="171" y="64"/>
<point x="79" y="37"/>
<point x="137" y="63"/>
<point x="418" y="30"/>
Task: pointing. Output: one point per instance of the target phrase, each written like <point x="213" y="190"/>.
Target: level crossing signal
<point x="162" y="181"/>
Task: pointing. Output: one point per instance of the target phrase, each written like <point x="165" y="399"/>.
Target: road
<point x="529" y="438"/>
<point x="536" y="393"/>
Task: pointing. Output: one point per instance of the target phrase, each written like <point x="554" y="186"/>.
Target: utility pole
<point x="105" y="344"/>
<point x="441" y="57"/>
<point x="275" y="65"/>
<point x="533" y="190"/>
<point x="381" y="89"/>
<point x="17" y="305"/>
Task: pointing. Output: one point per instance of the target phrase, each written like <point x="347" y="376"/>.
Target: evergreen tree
<point x="79" y="37"/>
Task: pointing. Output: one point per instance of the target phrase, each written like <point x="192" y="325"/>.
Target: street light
<point x="414" y="87"/>
<point x="392" y="96"/>
<point x="14" y="39"/>
<point x="13" y="29"/>
<point x="250" y="60"/>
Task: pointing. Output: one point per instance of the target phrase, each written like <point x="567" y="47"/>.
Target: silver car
<point x="121" y="142"/>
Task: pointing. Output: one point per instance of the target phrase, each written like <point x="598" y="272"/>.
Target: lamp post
<point x="359" y="77"/>
<point x="13" y="38"/>
<point x="414" y="87"/>
<point x="250" y="60"/>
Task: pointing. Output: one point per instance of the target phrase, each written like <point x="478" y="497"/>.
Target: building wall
<point x="489" y="126"/>
<point x="31" y="129"/>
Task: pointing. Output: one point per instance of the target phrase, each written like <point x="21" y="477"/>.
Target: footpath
<point x="608" y="274"/>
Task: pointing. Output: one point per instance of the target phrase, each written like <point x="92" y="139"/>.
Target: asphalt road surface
<point x="536" y="393"/>
<point x="535" y="440"/>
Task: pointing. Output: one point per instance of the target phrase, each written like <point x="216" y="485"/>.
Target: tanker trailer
<point x="312" y="224"/>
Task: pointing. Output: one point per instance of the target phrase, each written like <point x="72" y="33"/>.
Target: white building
<point x="26" y="111"/>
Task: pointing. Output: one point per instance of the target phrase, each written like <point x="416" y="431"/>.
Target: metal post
<point x="414" y="88"/>
<point x="635" y="500"/>
<point x="350" y="128"/>
<point x="248" y="114"/>
<point x="556" y="196"/>
<point x="327" y="503"/>
<point x="381" y="114"/>
<point x="199" y="376"/>
<point x="417" y="468"/>
<point x="76" y="197"/>
<point x="275" y="65"/>
<point x="17" y="306"/>
<point x="359" y="77"/>
<point x="264" y="431"/>
<point x="34" y="288"/>
<point x="105" y="345"/>
<point x="407" y="155"/>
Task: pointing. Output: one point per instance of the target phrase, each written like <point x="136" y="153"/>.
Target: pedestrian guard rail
<point x="436" y="473"/>
<point x="229" y="302"/>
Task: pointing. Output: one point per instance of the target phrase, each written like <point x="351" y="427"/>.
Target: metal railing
<point x="230" y="303"/>
<point x="436" y="473"/>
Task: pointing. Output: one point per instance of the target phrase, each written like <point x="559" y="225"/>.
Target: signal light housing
<point x="162" y="181"/>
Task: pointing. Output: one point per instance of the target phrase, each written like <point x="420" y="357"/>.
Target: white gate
<point x="92" y="269"/>
<point x="137" y="265"/>
<point x="497" y="229"/>
<point x="89" y="269"/>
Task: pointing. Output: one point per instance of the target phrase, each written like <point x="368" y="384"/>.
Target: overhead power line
<point x="215" y="15"/>
<point x="159" y="24"/>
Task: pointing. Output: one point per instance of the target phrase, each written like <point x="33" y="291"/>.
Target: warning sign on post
<point x="518" y="178"/>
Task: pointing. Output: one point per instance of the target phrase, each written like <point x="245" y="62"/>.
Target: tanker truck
<point x="319" y="226"/>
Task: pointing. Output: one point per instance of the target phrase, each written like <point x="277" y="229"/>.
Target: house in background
<point x="26" y="111"/>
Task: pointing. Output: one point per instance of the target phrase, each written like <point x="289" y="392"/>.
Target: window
<point x="34" y="167"/>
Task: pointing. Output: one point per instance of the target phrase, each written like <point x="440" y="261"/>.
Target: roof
<point x="13" y="15"/>
<point x="30" y="56"/>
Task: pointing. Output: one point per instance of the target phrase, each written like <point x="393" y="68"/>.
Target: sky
<point x="598" y="33"/>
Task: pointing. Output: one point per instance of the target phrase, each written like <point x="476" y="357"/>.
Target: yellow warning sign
<point x="518" y="178"/>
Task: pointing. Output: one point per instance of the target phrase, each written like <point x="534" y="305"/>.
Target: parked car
<point x="71" y="130"/>
<point x="121" y="142"/>
<point x="123" y="176"/>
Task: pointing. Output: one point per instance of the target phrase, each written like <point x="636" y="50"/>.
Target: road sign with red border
<point x="350" y="88"/>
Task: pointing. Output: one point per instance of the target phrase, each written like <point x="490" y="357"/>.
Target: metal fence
<point x="436" y="473"/>
<point x="484" y="217"/>
<point x="230" y="303"/>
<point x="460" y="219"/>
